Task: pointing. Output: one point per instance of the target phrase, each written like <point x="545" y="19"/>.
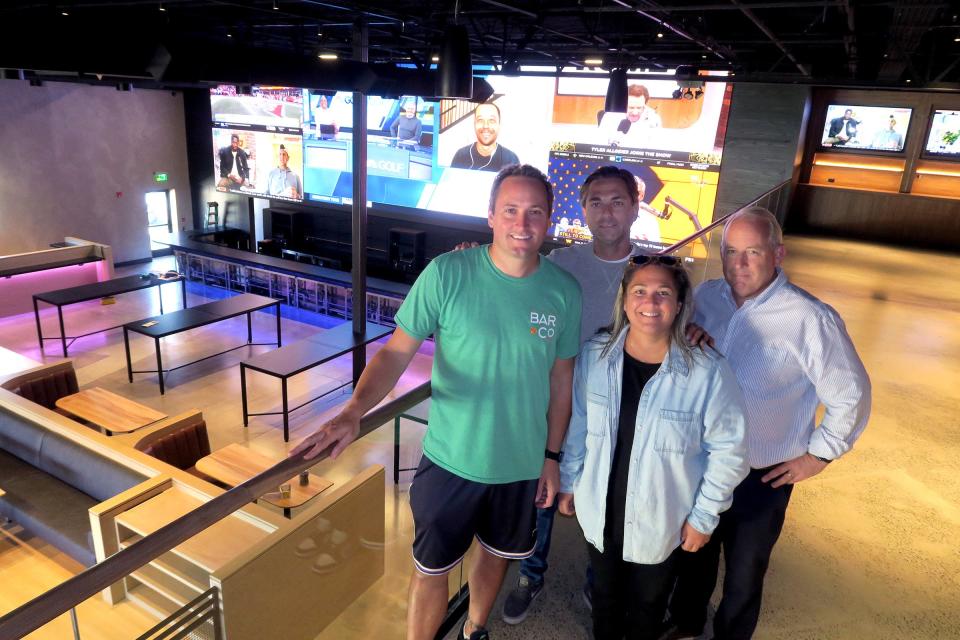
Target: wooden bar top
<point x="235" y="464"/>
<point x="109" y="411"/>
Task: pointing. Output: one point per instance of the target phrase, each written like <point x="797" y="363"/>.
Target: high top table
<point x="162" y="326"/>
<point x="105" y="289"/>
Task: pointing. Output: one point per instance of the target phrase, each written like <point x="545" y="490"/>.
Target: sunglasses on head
<point x="667" y="261"/>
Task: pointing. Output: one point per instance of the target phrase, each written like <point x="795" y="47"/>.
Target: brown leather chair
<point x="181" y="448"/>
<point x="47" y="385"/>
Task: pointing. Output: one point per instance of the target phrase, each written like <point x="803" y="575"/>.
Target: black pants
<point x="629" y="599"/>
<point x="747" y="533"/>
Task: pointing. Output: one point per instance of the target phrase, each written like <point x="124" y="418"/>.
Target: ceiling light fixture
<point x="229" y="35"/>
<point x="455" y="71"/>
<point x="328" y="56"/>
<point x="276" y="6"/>
<point x="593" y="62"/>
<point x="161" y="7"/>
<point x="435" y="59"/>
<point x="64" y="13"/>
<point x="660" y="34"/>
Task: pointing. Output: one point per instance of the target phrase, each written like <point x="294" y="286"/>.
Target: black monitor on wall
<point x="865" y="128"/>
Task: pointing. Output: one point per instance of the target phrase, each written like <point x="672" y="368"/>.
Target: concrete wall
<point x="764" y="143"/>
<point x="67" y="151"/>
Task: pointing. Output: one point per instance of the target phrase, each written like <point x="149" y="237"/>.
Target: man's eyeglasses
<point x="667" y="261"/>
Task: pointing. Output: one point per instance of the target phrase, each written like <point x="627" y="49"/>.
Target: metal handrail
<point x="60" y="599"/>
<point x="720" y="222"/>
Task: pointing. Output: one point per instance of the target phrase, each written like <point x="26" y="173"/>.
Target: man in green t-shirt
<point x="506" y="324"/>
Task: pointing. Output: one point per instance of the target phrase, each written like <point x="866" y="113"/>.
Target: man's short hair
<point x="282" y="148"/>
<point x="521" y="171"/>
<point x="233" y="137"/>
<point x="775" y="236"/>
<point x="610" y="171"/>
<point x="492" y="104"/>
<point x="637" y="90"/>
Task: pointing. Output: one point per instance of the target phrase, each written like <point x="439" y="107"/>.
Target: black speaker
<point x="405" y="249"/>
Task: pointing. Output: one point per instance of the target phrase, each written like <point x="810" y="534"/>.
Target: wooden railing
<point x="44" y="608"/>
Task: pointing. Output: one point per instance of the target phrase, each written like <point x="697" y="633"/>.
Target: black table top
<point x="204" y="314"/>
<point x="6" y="273"/>
<point x="315" y="350"/>
<point x="94" y="290"/>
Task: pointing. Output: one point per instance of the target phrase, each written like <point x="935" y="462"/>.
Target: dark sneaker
<point x="478" y="634"/>
<point x="517" y="604"/>
<point x="587" y="597"/>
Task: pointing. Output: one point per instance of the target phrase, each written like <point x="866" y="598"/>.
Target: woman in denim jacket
<point x="654" y="450"/>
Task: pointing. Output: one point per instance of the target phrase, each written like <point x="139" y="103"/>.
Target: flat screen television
<point x="258" y="142"/>
<point x="863" y="128"/>
<point x="443" y="156"/>
<point x="944" y="137"/>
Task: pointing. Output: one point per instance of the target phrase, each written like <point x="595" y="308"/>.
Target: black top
<point x="299" y="356"/>
<point x="201" y="315"/>
<point x="102" y="289"/>
<point x="636" y="374"/>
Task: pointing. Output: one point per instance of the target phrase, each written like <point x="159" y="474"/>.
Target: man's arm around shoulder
<point x="380" y="376"/>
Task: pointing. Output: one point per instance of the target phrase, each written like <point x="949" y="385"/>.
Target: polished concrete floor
<point x="870" y="546"/>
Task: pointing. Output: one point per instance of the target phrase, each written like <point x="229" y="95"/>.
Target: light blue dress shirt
<point x="689" y="449"/>
<point x="790" y="352"/>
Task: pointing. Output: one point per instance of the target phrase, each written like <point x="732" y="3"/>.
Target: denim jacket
<point x="689" y="449"/>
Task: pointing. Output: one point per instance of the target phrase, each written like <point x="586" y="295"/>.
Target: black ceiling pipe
<point x="455" y="68"/>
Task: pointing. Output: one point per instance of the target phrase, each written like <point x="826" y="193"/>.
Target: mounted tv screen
<point x="865" y="128"/>
<point x="944" y="138"/>
<point x="257" y="141"/>
<point x="443" y="156"/>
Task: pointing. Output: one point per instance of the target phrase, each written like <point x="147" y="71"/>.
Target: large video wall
<point x="295" y="145"/>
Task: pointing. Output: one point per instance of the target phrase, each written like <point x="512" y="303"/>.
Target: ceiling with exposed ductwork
<point x="900" y="43"/>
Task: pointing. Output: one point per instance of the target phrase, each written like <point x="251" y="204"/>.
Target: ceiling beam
<point x="773" y="38"/>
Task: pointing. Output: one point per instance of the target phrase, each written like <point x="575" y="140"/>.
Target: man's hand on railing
<point x="337" y="432"/>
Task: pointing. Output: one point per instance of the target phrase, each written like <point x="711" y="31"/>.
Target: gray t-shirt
<point x="599" y="281"/>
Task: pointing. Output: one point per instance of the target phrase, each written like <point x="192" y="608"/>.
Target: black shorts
<point x="448" y="511"/>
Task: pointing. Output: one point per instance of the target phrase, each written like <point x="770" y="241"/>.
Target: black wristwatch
<point x="553" y="455"/>
<point x="824" y="460"/>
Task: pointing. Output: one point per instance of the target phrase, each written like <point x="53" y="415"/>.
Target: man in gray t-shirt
<point x="610" y="206"/>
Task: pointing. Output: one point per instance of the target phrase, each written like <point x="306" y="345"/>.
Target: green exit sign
<point x="160" y="176"/>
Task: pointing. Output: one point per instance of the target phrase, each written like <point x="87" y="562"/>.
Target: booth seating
<point x="179" y="444"/>
<point x="50" y="481"/>
<point x="48" y="385"/>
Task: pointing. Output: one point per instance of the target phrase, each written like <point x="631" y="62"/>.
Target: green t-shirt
<point x="497" y="338"/>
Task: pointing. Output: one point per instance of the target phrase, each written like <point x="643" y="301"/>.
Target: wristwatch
<point x="824" y="460"/>
<point x="553" y="455"/>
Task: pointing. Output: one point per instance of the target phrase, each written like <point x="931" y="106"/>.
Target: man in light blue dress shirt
<point x="790" y="353"/>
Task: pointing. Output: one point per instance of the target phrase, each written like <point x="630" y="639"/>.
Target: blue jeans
<point x="535" y="567"/>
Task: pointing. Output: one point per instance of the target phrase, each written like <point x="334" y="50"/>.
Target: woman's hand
<point x="566" y="506"/>
<point x="691" y="539"/>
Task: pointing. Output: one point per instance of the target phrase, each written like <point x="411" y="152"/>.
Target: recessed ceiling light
<point x="659" y="34"/>
<point x="327" y="56"/>
<point x="593" y="61"/>
<point x="704" y="56"/>
<point x="956" y="39"/>
<point x="435" y="58"/>
<point x="64" y="13"/>
<point x="908" y="79"/>
<point x="161" y="7"/>
<point x="275" y="5"/>
<point x="229" y="35"/>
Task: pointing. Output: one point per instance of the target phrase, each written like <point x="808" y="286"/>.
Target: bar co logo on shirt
<point x="544" y="325"/>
